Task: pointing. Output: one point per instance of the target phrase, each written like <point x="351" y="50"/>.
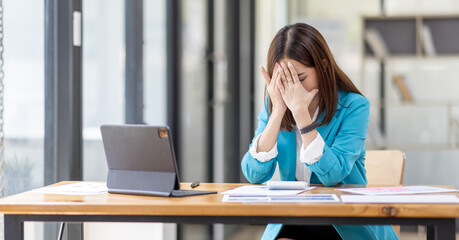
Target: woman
<point x="313" y="126"/>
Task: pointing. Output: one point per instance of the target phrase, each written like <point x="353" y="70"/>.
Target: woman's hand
<point x="279" y="106"/>
<point x="295" y="96"/>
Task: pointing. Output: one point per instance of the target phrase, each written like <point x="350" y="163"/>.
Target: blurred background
<point x="71" y="65"/>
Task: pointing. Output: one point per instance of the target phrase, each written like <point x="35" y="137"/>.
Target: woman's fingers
<point x="265" y="75"/>
<point x="280" y="85"/>
<point x="283" y="78"/>
<point x="282" y="75"/>
<point x="275" y="69"/>
<point x="293" y="73"/>
<point x="275" y="73"/>
<point x="287" y="73"/>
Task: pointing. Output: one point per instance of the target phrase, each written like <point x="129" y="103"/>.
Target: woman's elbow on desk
<point x="256" y="172"/>
<point x="330" y="183"/>
<point x="255" y="177"/>
<point x="332" y="178"/>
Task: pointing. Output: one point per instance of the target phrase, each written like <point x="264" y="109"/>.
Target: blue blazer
<point x="342" y="161"/>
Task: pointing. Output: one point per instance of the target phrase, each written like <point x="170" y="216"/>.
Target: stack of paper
<point x="79" y="188"/>
<point x="400" y="199"/>
<point x="398" y="190"/>
<point x="393" y="195"/>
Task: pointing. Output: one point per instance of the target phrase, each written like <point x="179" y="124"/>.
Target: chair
<point x="385" y="167"/>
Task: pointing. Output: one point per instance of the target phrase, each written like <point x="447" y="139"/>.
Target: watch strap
<point x="309" y="127"/>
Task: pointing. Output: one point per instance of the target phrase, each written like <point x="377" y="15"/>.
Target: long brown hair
<point x="303" y="43"/>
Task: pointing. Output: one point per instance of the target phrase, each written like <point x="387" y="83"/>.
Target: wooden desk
<point x="208" y="209"/>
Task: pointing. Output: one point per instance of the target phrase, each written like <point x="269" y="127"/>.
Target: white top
<point x="305" y="156"/>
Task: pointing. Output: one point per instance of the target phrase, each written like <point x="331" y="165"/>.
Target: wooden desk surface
<point x="210" y="205"/>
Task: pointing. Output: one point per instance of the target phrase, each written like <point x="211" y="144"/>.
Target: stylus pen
<point x="195" y="184"/>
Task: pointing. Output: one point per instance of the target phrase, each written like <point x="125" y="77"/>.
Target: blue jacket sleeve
<point x="348" y="146"/>
<point x="253" y="170"/>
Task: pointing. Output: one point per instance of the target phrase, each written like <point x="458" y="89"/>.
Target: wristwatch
<point x="309" y="127"/>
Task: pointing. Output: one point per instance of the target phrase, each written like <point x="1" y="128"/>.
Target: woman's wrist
<point x="278" y="112"/>
<point x="309" y="137"/>
<point x="269" y="137"/>
<point x="301" y="116"/>
<point x="299" y="110"/>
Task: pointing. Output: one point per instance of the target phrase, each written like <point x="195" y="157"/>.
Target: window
<point x="103" y="79"/>
<point x="24" y="95"/>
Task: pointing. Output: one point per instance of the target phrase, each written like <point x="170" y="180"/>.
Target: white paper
<point x="303" y="198"/>
<point x="400" y="199"/>
<point x="80" y="188"/>
<point x="261" y="190"/>
<point x="287" y="185"/>
<point x="397" y="190"/>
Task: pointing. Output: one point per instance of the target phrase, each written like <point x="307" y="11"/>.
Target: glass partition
<point x="23" y="58"/>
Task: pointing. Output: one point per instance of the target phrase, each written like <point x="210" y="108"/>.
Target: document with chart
<point x="301" y="198"/>
<point x="261" y="190"/>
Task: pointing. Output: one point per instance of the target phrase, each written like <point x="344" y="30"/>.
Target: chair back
<point x="385" y="167"/>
